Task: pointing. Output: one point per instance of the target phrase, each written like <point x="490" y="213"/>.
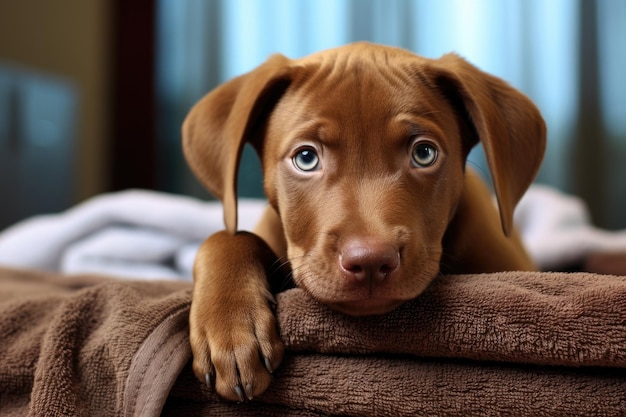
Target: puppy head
<point x="363" y="150"/>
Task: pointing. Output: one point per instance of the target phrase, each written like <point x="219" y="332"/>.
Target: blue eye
<point x="424" y="155"/>
<point x="306" y="160"/>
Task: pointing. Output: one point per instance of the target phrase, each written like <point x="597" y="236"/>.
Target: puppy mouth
<point x="366" y="307"/>
<point x="357" y="301"/>
<point x="367" y="298"/>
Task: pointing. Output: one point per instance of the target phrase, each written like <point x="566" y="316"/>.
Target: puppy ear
<point x="218" y="126"/>
<point x="506" y="122"/>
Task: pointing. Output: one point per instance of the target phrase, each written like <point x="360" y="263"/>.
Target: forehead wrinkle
<point x="359" y="100"/>
<point x="351" y="71"/>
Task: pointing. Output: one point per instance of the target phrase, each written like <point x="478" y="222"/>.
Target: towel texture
<point x="495" y="344"/>
<point x="68" y="342"/>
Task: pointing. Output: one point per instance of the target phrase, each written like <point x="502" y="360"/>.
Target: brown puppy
<point x="363" y="150"/>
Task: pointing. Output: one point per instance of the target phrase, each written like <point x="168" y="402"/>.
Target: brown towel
<point x="536" y="318"/>
<point x="67" y="344"/>
<point x="495" y="344"/>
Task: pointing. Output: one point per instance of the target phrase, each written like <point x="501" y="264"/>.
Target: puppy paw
<point x="233" y="333"/>
<point x="235" y="342"/>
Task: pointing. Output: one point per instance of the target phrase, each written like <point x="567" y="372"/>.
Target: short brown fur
<point x="368" y="228"/>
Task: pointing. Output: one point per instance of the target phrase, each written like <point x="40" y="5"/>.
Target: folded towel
<point x="557" y="230"/>
<point x="135" y="233"/>
<point x="495" y="344"/>
<point x="519" y="317"/>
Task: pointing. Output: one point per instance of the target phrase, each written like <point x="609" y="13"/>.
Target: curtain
<point x="569" y="56"/>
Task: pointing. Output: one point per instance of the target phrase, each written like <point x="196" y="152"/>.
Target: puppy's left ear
<point x="218" y="126"/>
<point x="506" y="122"/>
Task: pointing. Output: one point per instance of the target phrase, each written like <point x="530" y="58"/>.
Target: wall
<point x="68" y="39"/>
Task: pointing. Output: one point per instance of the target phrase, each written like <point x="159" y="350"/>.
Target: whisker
<point x="279" y="276"/>
<point x="282" y="273"/>
<point x="448" y="265"/>
<point x="279" y="264"/>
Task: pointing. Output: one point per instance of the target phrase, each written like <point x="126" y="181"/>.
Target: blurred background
<point x="93" y="92"/>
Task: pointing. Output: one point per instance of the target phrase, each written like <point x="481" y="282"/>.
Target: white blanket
<point x="135" y="234"/>
<point x="557" y="230"/>
<point x="146" y="234"/>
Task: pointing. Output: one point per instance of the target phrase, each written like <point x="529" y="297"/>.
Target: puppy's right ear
<point x="218" y="126"/>
<point x="507" y="123"/>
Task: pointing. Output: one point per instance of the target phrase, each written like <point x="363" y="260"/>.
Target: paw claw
<point x="249" y="393"/>
<point x="268" y="365"/>
<point x="239" y="392"/>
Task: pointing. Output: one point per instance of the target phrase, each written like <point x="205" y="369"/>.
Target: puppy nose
<point x="368" y="259"/>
